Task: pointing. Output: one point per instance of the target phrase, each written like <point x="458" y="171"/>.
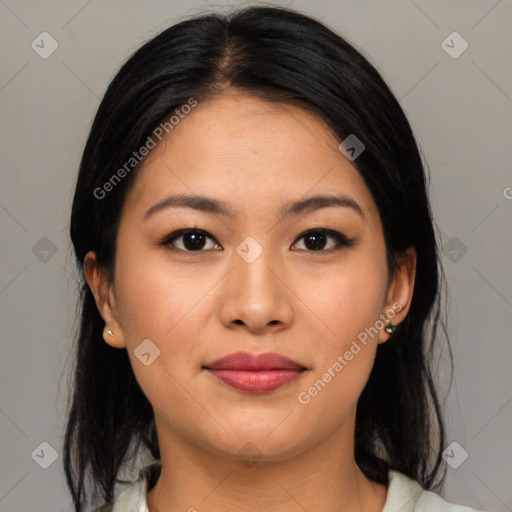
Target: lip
<point x="256" y="373"/>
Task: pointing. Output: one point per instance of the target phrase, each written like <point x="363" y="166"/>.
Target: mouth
<point x="256" y="373"/>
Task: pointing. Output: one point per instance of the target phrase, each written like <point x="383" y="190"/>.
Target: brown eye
<point x="192" y="240"/>
<point x="315" y="240"/>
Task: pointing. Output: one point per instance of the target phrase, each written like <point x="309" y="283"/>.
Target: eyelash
<point x="341" y="239"/>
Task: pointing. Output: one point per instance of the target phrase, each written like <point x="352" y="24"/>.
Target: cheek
<point x="348" y="302"/>
<point x="156" y="298"/>
<point x="350" y="307"/>
<point x="167" y="304"/>
<point x="329" y="398"/>
<point x="162" y="303"/>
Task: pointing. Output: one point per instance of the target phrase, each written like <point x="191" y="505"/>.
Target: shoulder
<point x="134" y="497"/>
<point x="407" y="495"/>
<point x="430" y="501"/>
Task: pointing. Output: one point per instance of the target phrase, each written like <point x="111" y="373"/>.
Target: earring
<point x="110" y="332"/>
<point x="390" y="328"/>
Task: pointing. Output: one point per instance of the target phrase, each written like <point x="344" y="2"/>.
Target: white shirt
<point x="404" y="495"/>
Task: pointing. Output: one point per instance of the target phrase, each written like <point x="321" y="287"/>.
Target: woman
<point x="253" y="227"/>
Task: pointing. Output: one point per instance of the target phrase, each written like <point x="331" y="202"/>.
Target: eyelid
<point x="342" y="240"/>
<point x="168" y="239"/>
<point x="338" y="236"/>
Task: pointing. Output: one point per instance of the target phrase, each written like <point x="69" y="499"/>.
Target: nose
<point x="256" y="296"/>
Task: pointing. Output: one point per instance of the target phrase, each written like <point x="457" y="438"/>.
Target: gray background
<point x="460" y="109"/>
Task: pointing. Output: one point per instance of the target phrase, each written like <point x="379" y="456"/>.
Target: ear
<point x="102" y="289"/>
<point x="400" y="291"/>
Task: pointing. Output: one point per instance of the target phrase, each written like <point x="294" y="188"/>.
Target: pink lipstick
<point x="256" y="373"/>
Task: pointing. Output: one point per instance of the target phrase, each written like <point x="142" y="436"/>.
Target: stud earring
<point x="110" y="332"/>
<point x="390" y="328"/>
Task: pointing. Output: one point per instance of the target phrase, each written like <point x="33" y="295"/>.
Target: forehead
<point x="248" y="152"/>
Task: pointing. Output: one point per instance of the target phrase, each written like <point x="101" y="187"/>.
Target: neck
<point x="193" y="479"/>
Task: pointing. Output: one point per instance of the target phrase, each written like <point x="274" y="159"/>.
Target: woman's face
<point x="251" y="280"/>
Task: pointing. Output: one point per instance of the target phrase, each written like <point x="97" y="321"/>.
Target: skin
<point x="199" y="306"/>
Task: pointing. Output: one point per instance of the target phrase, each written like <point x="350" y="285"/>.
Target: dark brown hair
<point x="280" y="55"/>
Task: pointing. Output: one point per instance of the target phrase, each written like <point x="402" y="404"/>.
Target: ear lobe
<point x="101" y="287"/>
<point x="400" y="291"/>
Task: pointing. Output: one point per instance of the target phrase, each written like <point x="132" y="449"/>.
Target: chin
<point x="259" y="445"/>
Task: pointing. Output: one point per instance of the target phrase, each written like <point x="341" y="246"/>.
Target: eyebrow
<point x="216" y="207"/>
